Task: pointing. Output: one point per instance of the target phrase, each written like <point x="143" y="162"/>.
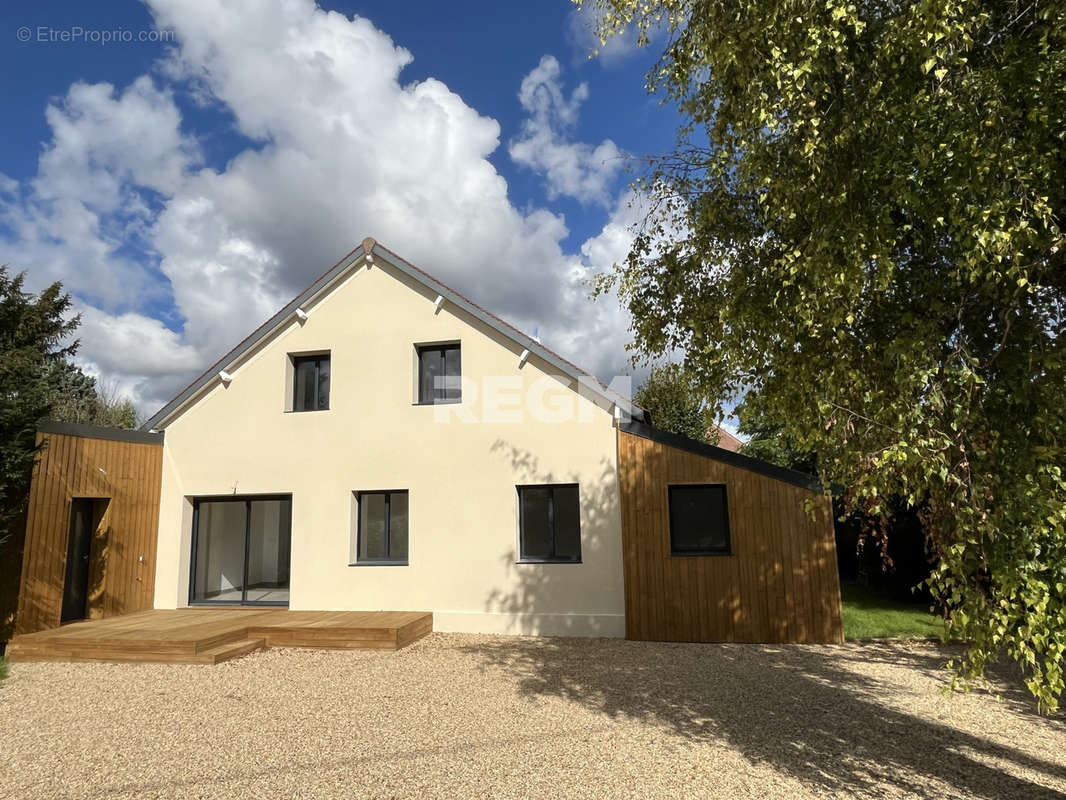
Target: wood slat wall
<point x="779" y="585"/>
<point x="122" y="561"/>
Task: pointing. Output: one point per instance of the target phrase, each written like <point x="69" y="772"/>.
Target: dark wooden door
<point x="79" y="545"/>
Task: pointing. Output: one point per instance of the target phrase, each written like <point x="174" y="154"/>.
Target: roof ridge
<point x="365" y="250"/>
<point x="498" y="318"/>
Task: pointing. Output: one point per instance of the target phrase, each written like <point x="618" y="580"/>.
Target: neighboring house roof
<point x="370" y="251"/>
<point x="728" y="441"/>
<point x="757" y="465"/>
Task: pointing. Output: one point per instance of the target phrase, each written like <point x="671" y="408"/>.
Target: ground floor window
<point x="699" y="520"/>
<point x="240" y="550"/>
<point x="380" y="535"/>
<point x="549" y="523"/>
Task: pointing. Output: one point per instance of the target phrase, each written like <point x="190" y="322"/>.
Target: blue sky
<point x="184" y="190"/>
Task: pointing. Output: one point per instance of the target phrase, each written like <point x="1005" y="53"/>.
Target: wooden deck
<point x="213" y="635"/>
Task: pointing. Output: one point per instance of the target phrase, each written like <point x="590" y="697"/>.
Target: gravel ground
<point x="460" y="716"/>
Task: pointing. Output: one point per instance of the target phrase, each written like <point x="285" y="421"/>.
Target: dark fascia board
<point x="97" y="432"/>
<point x="757" y="465"/>
<point x="359" y="256"/>
<point x="260" y="333"/>
<point x="526" y="341"/>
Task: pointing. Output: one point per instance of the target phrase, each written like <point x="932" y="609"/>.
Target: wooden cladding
<point x="121" y="475"/>
<point x="780" y="582"/>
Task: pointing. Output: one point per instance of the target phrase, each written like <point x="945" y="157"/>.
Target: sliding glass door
<point x="240" y="550"/>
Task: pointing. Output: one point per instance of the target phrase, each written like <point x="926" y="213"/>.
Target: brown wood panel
<point x="212" y="635"/>
<point x="124" y="477"/>
<point x="779" y="585"/>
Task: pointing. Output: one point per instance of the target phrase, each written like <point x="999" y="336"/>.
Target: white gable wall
<point x="463" y="528"/>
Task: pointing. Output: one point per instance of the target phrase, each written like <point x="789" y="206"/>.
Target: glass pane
<point x="536" y="532"/>
<point x="567" y="514"/>
<point x="304" y="385"/>
<point x="219" y="551"/>
<point x="372" y="526"/>
<point x="269" y="543"/>
<point x="429" y="369"/>
<point x="398" y="526"/>
<point x="698" y="521"/>
<point x="452" y="389"/>
<point x="323" y="383"/>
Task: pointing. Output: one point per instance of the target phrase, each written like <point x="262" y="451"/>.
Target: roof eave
<point x="371" y="250"/>
<point x="756" y="465"/>
<point x="194" y="389"/>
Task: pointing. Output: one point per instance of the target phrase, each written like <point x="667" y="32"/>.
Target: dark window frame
<point x="522" y="557"/>
<point x="296" y="360"/>
<point x="441" y="348"/>
<point x="674" y="551"/>
<point x="387" y="561"/>
<point x="247" y="500"/>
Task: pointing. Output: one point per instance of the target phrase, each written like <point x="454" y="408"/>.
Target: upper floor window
<point x="310" y="383"/>
<point x="699" y="520"/>
<point x="439" y="374"/>
<point x="549" y="523"/>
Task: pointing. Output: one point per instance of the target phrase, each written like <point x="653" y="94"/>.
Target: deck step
<point x="214" y="655"/>
<point x="229" y="650"/>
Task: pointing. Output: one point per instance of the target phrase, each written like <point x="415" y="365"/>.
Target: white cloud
<point x="611" y="245"/>
<point x="606" y="321"/>
<point x="582" y="26"/>
<point x="123" y="211"/>
<point x="102" y="141"/>
<point x="574" y="169"/>
<point x="87" y="212"/>
<point x="136" y="354"/>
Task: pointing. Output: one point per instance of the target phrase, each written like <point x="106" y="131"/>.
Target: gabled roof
<point x="372" y="252"/>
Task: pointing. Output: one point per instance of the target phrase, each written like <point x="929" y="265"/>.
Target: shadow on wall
<point x="546" y="586"/>
<point x="107" y="549"/>
<point x="821" y="714"/>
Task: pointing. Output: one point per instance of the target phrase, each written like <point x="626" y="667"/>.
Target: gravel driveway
<point x="480" y="716"/>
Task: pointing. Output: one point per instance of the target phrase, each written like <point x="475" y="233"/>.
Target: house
<point x="728" y="441"/>
<point x="383" y="443"/>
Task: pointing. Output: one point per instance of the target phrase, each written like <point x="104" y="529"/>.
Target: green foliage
<point x="117" y="413"/>
<point x="868" y="614"/>
<point x="3" y="669"/>
<point x="73" y="393"/>
<point x="767" y="439"/>
<point x="861" y="223"/>
<point x="78" y="398"/>
<point x="674" y="401"/>
<point x="33" y="336"/>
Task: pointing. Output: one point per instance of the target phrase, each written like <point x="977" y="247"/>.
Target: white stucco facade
<point x="239" y="439"/>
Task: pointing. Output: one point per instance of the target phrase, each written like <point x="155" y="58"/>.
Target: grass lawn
<point x="871" y="615"/>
